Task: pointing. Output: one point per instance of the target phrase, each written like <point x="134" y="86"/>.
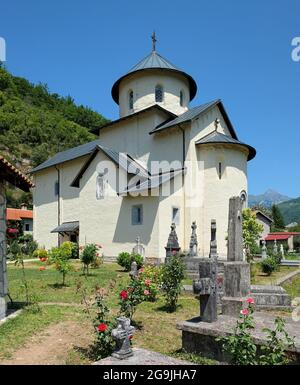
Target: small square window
<point x="176" y="215"/>
<point x="27" y="227"/>
<point x="137" y="215"/>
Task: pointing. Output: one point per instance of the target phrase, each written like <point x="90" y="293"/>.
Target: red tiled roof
<point x="18" y="214"/>
<point x="286" y="233"/>
<point x="277" y="237"/>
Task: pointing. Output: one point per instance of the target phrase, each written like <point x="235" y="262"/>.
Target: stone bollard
<point x="122" y="335"/>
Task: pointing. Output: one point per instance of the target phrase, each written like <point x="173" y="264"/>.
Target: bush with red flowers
<point x="131" y="297"/>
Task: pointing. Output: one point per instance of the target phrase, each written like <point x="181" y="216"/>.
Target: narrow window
<point x="137" y="215"/>
<point x="181" y="98"/>
<point x="100" y="186"/>
<point x="131" y="100"/>
<point x="175" y="215"/>
<point x="243" y="196"/>
<point x="220" y="170"/>
<point x="27" y="227"/>
<point x="56" y="188"/>
<point x="159" y="94"/>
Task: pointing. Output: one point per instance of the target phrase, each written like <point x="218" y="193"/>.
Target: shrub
<point x="125" y="260"/>
<point x="88" y="256"/>
<point x="151" y="279"/>
<point x="268" y="265"/>
<point x="172" y="276"/>
<point x="60" y="257"/>
<point x="41" y="254"/>
<point x="131" y="297"/>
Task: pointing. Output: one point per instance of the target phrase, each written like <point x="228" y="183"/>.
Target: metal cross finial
<point x="153" y="37"/>
<point x="217" y="122"/>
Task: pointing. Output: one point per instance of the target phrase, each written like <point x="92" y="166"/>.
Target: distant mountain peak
<point x="268" y="199"/>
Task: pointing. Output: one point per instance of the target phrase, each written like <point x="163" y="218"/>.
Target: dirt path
<point x="52" y="346"/>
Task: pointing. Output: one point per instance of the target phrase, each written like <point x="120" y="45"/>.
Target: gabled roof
<point x="259" y="212"/>
<point x="122" y="160"/>
<point x="150" y="62"/>
<point x="154" y="106"/>
<point x="12" y="175"/>
<point x="66" y="227"/>
<point x="18" y="214"/>
<point x="194" y="113"/>
<point x="64" y="156"/>
<point x="218" y="138"/>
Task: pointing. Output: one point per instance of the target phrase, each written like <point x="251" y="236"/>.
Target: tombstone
<point x="264" y="251"/>
<point x="236" y="271"/>
<point x="133" y="270"/>
<point x="172" y="247"/>
<point x="206" y="286"/>
<point x="139" y="248"/>
<point x="275" y="247"/>
<point x="193" y="251"/>
<point x="281" y="250"/>
<point x="122" y="335"/>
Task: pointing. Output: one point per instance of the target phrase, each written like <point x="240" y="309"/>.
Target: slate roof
<point x="194" y="113"/>
<point x="64" y="156"/>
<point x="66" y="227"/>
<point x="218" y="138"/>
<point x="154" y="61"/>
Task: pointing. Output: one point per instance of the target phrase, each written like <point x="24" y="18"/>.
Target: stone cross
<point x="138" y="248"/>
<point x="122" y="335"/>
<point x="235" y="230"/>
<point x="154" y="40"/>
<point x="193" y="242"/>
<point x="172" y="247"/>
<point x="264" y="254"/>
<point x="206" y="286"/>
<point x="275" y="247"/>
<point x="282" y="250"/>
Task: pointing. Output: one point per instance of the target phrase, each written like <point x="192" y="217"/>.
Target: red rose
<point x="245" y="312"/>
<point x="124" y="294"/>
<point x="102" y="327"/>
<point x="250" y="301"/>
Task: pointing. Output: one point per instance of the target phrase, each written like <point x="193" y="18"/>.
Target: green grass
<point x="15" y="332"/>
<point x="262" y="279"/>
<point x="293" y="287"/>
<point x="292" y="257"/>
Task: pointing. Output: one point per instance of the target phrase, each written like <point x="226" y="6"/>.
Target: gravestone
<point x="193" y="250"/>
<point x="138" y="248"/>
<point x="275" y="248"/>
<point x="133" y="270"/>
<point x="122" y="335"/>
<point x="282" y="250"/>
<point x="206" y="286"/>
<point x="172" y="247"/>
<point x="236" y="271"/>
<point x="3" y="277"/>
<point x="264" y="254"/>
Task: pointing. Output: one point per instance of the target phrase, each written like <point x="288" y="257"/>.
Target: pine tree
<point x="278" y="221"/>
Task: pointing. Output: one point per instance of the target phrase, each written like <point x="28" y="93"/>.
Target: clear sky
<point x="239" y="51"/>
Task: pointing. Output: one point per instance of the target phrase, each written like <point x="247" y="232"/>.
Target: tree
<point x="278" y="221"/>
<point x="252" y="231"/>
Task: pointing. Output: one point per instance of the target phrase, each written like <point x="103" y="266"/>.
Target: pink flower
<point x="146" y="292"/>
<point x="124" y="294"/>
<point x="245" y="312"/>
<point x="147" y="282"/>
<point x="42" y="268"/>
<point x="250" y="301"/>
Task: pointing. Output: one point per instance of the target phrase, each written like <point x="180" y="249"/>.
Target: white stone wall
<point x="143" y="87"/>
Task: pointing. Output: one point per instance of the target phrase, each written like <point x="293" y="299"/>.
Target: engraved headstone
<point x="235" y="230"/>
<point x="133" y="270"/>
<point x="122" y="334"/>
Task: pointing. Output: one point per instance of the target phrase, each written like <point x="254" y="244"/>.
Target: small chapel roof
<point x="154" y="61"/>
<point x="14" y="176"/>
<point x="216" y="137"/>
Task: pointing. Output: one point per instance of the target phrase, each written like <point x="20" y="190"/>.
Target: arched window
<point x="159" y="94"/>
<point x="130" y="100"/>
<point x="243" y="196"/>
<point x="181" y="97"/>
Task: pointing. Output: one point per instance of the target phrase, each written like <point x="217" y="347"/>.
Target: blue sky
<point x="239" y="51"/>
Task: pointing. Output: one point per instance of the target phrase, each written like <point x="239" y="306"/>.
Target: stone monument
<point x="133" y="270"/>
<point x="138" y="248"/>
<point x="172" y="247"/>
<point x="193" y="250"/>
<point x="236" y="271"/>
<point x="206" y="286"/>
<point x="275" y="247"/>
<point x="122" y="335"/>
<point x="281" y="250"/>
<point x="264" y="250"/>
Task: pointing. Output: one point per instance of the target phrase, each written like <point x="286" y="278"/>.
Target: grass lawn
<point x="262" y="279"/>
<point x="156" y="327"/>
<point x="293" y="287"/>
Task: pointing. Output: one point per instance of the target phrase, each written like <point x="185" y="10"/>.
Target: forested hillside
<point x="35" y="124"/>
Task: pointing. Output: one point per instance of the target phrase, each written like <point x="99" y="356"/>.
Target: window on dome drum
<point x="131" y="100"/>
<point x="159" y="94"/>
<point x="243" y="196"/>
<point x="181" y="97"/>
<point x="137" y="215"/>
<point x="220" y="170"/>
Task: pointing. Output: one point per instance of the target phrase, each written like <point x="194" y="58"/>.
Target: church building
<point x="160" y="162"/>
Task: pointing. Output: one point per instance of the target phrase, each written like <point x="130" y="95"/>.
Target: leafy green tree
<point x="278" y="221"/>
<point x="252" y="231"/>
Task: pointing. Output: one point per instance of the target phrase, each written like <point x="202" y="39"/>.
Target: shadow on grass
<point x="57" y="285"/>
<point x="167" y="309"/>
